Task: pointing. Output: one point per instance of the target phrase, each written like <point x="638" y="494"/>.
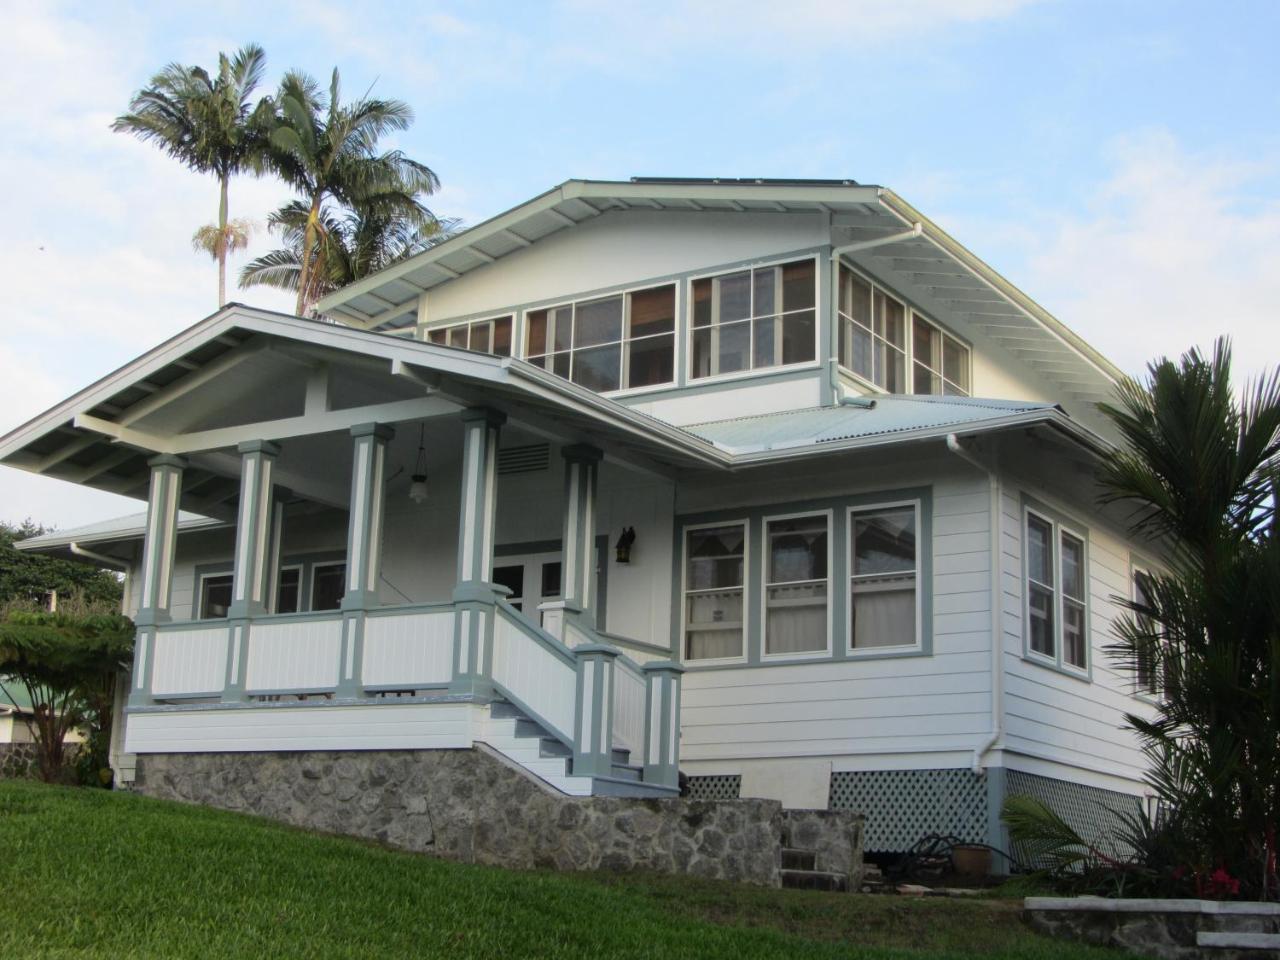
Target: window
<point x="617" y="342"/>
<point x="883" y="577"/>
<point x="715" y="564"/>
<point x="215" y="596"/>
<point x="751" y="319"/>
<point x="1147" y="675"/>
<point x="483" y="336"/>
<point x="287" y="592"/>
<point x="1056" y="574"/>
<point x="328" y="584"/>
<point x="795" y="590"/>
<point x="876" y="341"/>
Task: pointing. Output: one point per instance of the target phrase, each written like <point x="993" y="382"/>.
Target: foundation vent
<point x="526" y="459"/>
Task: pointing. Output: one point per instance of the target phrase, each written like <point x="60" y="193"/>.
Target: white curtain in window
<point x="884" y="617"/>
<point x="797" y="619"/>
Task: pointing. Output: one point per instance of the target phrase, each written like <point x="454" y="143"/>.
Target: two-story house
<point x="771" y="483"/>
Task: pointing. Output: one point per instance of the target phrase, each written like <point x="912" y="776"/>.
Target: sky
<point x="1119" y="161"/>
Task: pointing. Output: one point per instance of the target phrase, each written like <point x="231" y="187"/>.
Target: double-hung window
<point x="753" y="319"/>
<point x="1147" y="666"/>
<point x="1056" y="578"/>
<point x="612" y="343"/>
<point x="714" y="576"/>
<point x="215" y="596"/>
<point x="328" y="585"/>
<point x="894" y="347"/>
<point x="796" y="594"/>
<point x="884" y="577"/>
<point x="483" y="336"/>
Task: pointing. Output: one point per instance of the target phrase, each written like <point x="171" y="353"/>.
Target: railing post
<point x="475" y="597"/>
<point x="160" y="543"/>
<point x="593" y="716"/>
<point x="662" y="723"/>
<point x="364" y="548"/>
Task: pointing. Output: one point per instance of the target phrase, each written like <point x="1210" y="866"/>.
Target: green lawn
<point x="88" y="873"/>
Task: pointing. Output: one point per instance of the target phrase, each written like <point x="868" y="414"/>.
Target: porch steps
<point x="799" y="872"/>
<point x="524" y="741"/>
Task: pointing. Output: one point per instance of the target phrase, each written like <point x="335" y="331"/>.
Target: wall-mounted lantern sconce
<point x="418" y="482"/>
<point x="623" y="549"/>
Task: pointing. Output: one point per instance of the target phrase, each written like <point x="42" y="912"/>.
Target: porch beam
<point x="180" y="388"/>
<point x="283" y="429"/>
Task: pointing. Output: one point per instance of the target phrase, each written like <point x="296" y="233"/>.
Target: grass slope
<point x="88" y="873"/>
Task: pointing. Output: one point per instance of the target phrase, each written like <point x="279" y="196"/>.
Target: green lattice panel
<point x="901" y="806"/>
<point x="1094" y="813"/>
<point x="723" y="786"/>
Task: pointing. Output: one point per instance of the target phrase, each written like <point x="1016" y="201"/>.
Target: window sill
<point x="885" y="653"/>
<point x="692" y="381"/>
<point x="1083" y="674"/>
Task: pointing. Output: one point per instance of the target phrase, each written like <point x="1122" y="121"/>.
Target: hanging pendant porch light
<point x="418" y="481"/>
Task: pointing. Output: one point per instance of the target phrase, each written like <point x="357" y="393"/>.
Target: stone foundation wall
<point x="835" y="836"/>
<point x="474" y="806"/>
<point x="18" y="761"/>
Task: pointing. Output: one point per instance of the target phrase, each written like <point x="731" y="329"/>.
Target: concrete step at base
<point x="815" y="880"/>
<point x="794" y="859"/>
<point x="1231" y="940"/>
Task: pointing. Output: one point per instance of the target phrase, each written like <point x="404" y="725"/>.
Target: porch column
<point x="254" y="524"/>
<point x="662" y="723"/>
<point x="474" y="596"/>
<point x="593" y="718"/>
<point x="581" y="464"/>
<point x="160" y="542"/>
<point x="364" y="548"/>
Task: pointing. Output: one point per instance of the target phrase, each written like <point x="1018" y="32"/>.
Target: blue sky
<point x="1119" y="161"/>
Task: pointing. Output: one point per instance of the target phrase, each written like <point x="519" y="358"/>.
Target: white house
<point x="773" y="483"/>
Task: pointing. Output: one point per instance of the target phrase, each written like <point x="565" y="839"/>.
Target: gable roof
<point x="129" y="527"/>
<point x="889" y="237"/>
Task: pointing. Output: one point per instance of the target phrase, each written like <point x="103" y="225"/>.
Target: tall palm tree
<point x="209" y="123"/>
<point x="1200" y="468"/>
<point x="328" y="150"/>
<point x="348" y="246"/>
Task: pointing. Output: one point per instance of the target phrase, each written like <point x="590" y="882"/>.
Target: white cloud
<point x="1174" y="249"/>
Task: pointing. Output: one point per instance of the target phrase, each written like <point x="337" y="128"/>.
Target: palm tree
<point x="208" y="123"/>
<point x="221" y="241"/>
<point x="1200" y="468"/>
<point x="328" y="151"/>
<point x="348" y="246"/>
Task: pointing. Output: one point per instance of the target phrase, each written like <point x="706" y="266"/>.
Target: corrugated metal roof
<point x="121" y="528"/>
<point x="889" y="415"/>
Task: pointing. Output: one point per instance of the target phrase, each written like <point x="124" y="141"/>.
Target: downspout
<point x="833" y="365"/>
<point x="997" y="632"/>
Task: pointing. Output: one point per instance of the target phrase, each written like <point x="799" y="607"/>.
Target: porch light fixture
<point x="623" y="549"/>
<point x="418" y="482"/>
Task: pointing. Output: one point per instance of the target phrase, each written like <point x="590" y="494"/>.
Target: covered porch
<point x="286" y="428"/>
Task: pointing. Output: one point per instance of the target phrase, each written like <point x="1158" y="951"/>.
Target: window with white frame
<point x="328" y="584"/>
<point x="715" y="568"/>
<point x="612" y="343"/>
<point x="1057" y="628"/>
<point x="884" y="577"/>
<point x="215" y="596"/>
<point x="1147" y="664"/>
<point x="483" y="336"/>
<point x="891" y="345"/>
<point x="796" y="593"/>
<point x="755" y="318"/>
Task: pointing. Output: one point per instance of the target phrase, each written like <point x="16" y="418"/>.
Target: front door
<point x="532" y="578"/>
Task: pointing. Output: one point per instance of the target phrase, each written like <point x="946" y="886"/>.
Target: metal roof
<point x="128" y="527"/>
<point x="883" y="420"/>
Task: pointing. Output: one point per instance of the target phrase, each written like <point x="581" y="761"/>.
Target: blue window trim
<point x="838" y="573"/>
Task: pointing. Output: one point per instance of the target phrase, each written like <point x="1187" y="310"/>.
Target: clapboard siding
<point x="1057" y="717"/>
<point x="940" y="702"/>
<point x="381" y="727"/>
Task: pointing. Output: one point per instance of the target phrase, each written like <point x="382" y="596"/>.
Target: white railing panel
<point x="408" y="650"/>
<point x="536" y="676"/>
<point x="189" y="662"/>
<point x="294" y="655"/>
<point x="628" y="708"/>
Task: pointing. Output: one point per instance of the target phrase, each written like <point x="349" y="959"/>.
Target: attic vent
<point x="528" y="459"/>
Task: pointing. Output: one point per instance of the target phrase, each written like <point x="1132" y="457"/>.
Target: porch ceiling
<point x="246" y="374"/>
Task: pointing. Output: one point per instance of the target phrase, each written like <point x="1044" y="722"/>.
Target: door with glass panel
<point x="532" y="578"/>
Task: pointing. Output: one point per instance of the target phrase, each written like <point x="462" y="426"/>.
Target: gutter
<point x="997" y="632"/>
<point x="99" y="558"/>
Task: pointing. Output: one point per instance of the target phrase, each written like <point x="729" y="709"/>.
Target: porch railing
<point x="591" y="692"/>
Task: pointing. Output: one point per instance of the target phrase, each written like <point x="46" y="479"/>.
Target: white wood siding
<point x="1050" y="716"/>
<point x="379" y="727"/>
<point x="874" y="710"/>
<point x="532" y="673"/>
